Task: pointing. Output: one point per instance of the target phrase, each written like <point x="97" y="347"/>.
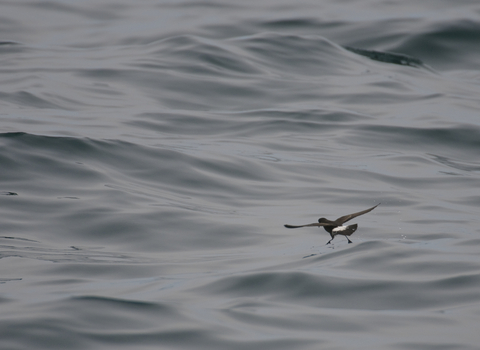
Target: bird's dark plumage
<point x="336" y="227"/>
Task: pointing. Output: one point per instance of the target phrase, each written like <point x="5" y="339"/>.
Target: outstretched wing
<point x="344" y="219"/>
<point x="314" y="224"/>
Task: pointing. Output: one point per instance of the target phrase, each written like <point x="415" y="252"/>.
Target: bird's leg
<point x="349" y="241"/>
<point x="331" y="235"/>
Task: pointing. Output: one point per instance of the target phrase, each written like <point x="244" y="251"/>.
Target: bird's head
<point x="322" y="220"/>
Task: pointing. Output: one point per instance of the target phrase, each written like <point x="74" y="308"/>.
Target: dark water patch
<point x="463" y="165"/>
<point x="8" y="193"/>
<point x="93" y="305"/>
<point x="464" y="282"/>
<point x="43" y="151"/>
<point x="317" y="115"/>
<point x="473" y="200"/>
<point x="470" y="242"/>
<point x="201" y="5"/>
<point x="281" y="24"/>
<point x="387" y="57"/>
<point x="461" y="138"/>
<point x="19" y="238"/>
<point x="441" y="43"/>
<point x="11" y="47"/>
<point x="40" y="334"/>
<point x="4" y="43"/>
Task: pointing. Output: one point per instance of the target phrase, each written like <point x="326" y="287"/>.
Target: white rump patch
<point x="340" y="229"/>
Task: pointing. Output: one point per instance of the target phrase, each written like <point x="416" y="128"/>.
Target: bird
<point x="336" y="227"/>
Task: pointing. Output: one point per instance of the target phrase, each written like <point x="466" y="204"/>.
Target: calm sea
<point x="151" y="152"/>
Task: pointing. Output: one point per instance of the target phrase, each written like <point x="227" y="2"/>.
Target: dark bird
<point x="336" y="227"/>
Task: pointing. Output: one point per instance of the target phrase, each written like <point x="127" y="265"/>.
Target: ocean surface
<point x="152" y="151"/>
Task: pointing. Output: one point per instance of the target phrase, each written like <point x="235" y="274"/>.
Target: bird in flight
<point x="336" y="227"/>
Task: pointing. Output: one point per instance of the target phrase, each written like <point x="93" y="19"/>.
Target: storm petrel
<point x="336" y="227"/>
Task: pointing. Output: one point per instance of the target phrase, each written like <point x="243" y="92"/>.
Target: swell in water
<point x="150" y="155"/>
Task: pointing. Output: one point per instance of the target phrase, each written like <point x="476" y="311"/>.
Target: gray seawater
<point x="151" y="152"/>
